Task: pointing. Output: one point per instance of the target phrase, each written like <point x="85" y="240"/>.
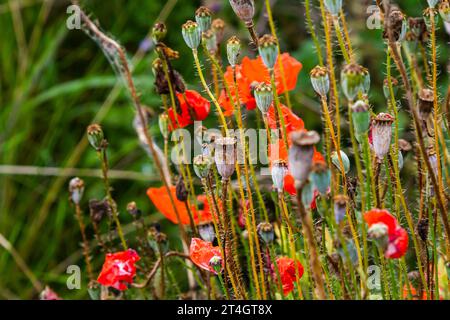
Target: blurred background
<point x="54" y="82"/>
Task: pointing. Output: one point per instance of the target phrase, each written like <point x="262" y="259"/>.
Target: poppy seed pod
<point x="444" y="10"/>
<point x="233" y="50"/>
<point x="244" y="9"/>
<point x="181" y="191"/>
<point x="419" y="28"/>
<point x="76" y="190"/>
<point x="398" y="24"/>
<point x="352" y="78"/>
<point x="265" y="231"/>
<point x="163" y="122"/>
<point x="361" y="117"/>
<point x="321" y="177"/>
<point x="202" y="166"/>
<point x="345" y="160"/>
<point x="95" y="136"/>
<point x="432" y="3"/>
<point x="268" y="50"/>
<point x="279" y="172"/>
<point x="264" y="97"/>
<point x="216" y="264"/>
<point x="159" y="32"/>
<point x="425" y="103"/>
<point x="320" y="80"/>
<point x="333" y="6"/>
<point x="301" y="154"/>
<point x="99" y="209"/>
<point x="191" y="34"/>
<point x="218" y="27"/>
<point x="225" y="156"/>
<point x="386" y="90"/>
<point x="340" y="208"/>
<point x="209" y="41"/>
<point x="382" y="134"/>
<point x="206" y="231"/>
<point x="203" y="18"/>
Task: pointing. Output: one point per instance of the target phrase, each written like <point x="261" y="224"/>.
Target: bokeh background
<point x="54" y="82"/>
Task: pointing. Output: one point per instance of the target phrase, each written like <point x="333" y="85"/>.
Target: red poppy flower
<point x="119" y="269"/>
<point x="292" y="122"/>
<point x="253" y="71"/>
<point x="193" y="106"/>
<point x="397" y="236"/>
<point x="201" y="253"/>
<point x="161" y="200"/>
<point x="288" y="273"/>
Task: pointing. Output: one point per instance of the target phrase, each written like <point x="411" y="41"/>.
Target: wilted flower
<point x="321" y="176"/>
<point x="352" y="80"/>
<point x="268" y="50"/>
<point x="382" y="134"/>
<point x="265" y="231"/>
<point x="203" y="18"/>
<point x="361" y="117"/>
<point x="301" y="154"/>
<point x="340" y="207"/>
<point x="76" y="190"/>
<point x="95" y="136"/>
<point x="279" y="172"/>
<point x="425" y="103"/>
<point x="202" y="166"/>
<point x="181" y="191"/>
<point x="225" y="156"/>
<point x="320" y="80"/>
<point x="333" y="6"/>
<point x="191" y="34"/>
<point x="398" y="24"/>
<point x="99" y="209"/>
<point x="233" y="50"/>
<point x="119" y="269"/>
<point x="264" y="97"/>
<point x="345" y="161"/>
<point x="244" y="9"/>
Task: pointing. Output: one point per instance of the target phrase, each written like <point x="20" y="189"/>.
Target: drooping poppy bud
<point x="191" y="34"/>
<point x="444" y="10"/>
<point x="425" y="103"/>
<point x="202" y="166"/>
<point x="340" y="208"/>
<point x="382" y="134"/>
<point x="345" y="161"/>
<point x="320" y="80"/>
<point x="233" y="50"/>
<point x="352" y="79"/>
<point x="207" y="232"/>
<point x="279" y="172"/>
<point x="181" y="191"/>
<point x="244" y="9"/>
<point x="95" y="136"/>
<point x="301" y="154"/>
<point x="333" y="6"/>
<point x="398" y="24"/>
<point x="263" y="97"/>
<point x="268" y="50"/>
<point x="265" y="231"/>
<point x="209" y="41"/>
<point x="361" y="117"/>
<point x="225" y="156"/>
<point x="203" y="18"/>
<point x="386" y="91"/>
<point x="163" y="122"/>
<point x="218" y="27"/>
<point x="321" y="177"/>
<point x="76" y="190"/>
<point x="159" y="32"/>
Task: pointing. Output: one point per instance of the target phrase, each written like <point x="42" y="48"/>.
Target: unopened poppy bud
<point x="382" y="134"/>
<point x="386" y="90"/>
<point x="268" y="50"/>
<point x="209" y="41"/>
<point x="244" y="9"/>
<point x="163" y="122"/>
<point x="425" y="103"/>
<point x="307" y="193"/>
<point x="207" y="232"/>
<point x="320" y="80"/>
<point x="398" y="25"/>
<point x="345" y="161"/>
<point x="181" y="191"/>
<point x="203" y="18"/>
<point x="218" y="27"/>
<point x="225" y="156"/>
<point x="76" y="190"/>
<point x="279" y="172"/>
<point x="444" y="10"/>
<point x="95" y="136"/>
<point x="202" y="165"/>
<point x="361" y="117"/>
<point x="264" y="97"/>
<point x="265" y="231"/>
<point x="301" y="154"/>
<point x="191" y="34"/>
<point x="216" y="264"/>
<point x="340" y="208"/>
<point x="133" y="209"/>
<point x="233" y="50"/>
<point x="159" y="31"/>
<point x="333" y="6"/>
<point x="321" y="177"/>
<point x="352" y="78"/>
<point x="432" y="3"/>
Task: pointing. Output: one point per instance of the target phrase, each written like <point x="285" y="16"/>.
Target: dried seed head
<point x="203" y="16"/>
<point x="382" y="134"/>
<point x="386" y="90"/>
<point x="206" y="231"/>
<point x="404" y="145"/>
<point x="268" y="50"/>
<point x="361" y="117"/>
<point x="265" y="231"/>
<point x="99" y="209"/>
<point x="320" y="80"/>
<point x="244" y="9"/>
<point x="210" y="42"/>
<point x="202" y="166"/>
<point x="340" y="207"/>
<point x="345" y="161"/>
<point x="279" y="172"/>
<point x="352" y="79"/>
<point x="225" y="156"/>
<point x="418" y="28"/>
<point x="159" y="32"/>
<point x="163" y="122"/>
<point x="301" y="154"/>
<point x="333" y="6"/>
<point x="191" y="34"/>
<point x="321" y="177"/>
<point x="264" y="97"/>
<point x="95" y="136"/>
<point x="425" y="103"/>
<point x="233" y="50"/>
<point x="181" y="191"/>
<point x="76" y="190"/>
<point x="422" y="228"/>
<point x="444" y="10"/>
<point x="218" y="27"/>
<point x="398" y="24"/>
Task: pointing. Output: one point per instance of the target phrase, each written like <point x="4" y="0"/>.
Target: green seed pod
<point x="321" y="177"/>
<point x="333" y="6"/>
<point x="352" y="79"/>
<point x="159" y="32"/>
<point x="365" y="87"/>
<point x="345" y="160"/>
<point x="444" y="10"/>
<point x="191" y="34"/>
<point x="307" y="193"/>
<point x="320" y="80"/>
<point x="96" y="137"/>
<point x="202" y="166"/>
<point x="264" y="97"/>
<point x="244" y="9"/>
<point x="233" y="50"/>
<point x="361" y="117"/>
<point x="209" y="41"/>
<point x="163" y="122"/>
<point x="268" y="50"/>
<point x="203" y="18"/>
<point x="265" y="231"/>
<point x="76" y="190"/>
